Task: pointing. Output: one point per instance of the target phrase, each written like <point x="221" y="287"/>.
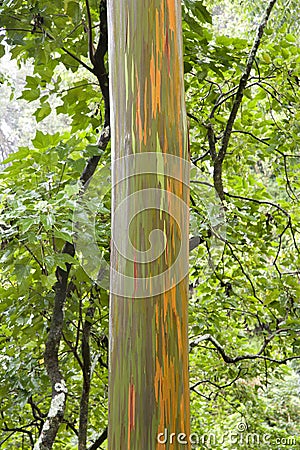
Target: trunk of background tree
<point x="148" y="384"/>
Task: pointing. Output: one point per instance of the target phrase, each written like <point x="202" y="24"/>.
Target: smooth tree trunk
<point x="148" y="373"/>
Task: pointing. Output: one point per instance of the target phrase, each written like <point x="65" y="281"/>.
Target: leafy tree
<point x="243" y="109"/>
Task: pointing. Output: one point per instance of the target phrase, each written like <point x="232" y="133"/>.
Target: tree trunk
<point x="148" y="384"/>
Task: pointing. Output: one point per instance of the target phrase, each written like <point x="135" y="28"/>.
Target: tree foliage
<point x="244" y="311"/>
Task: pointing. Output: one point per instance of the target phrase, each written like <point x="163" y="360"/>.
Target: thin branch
<point x="232" y="360"/>
<point x="263" y="140"/>
<point x="259" y="202"/>
<point x="77" y="87"/>
<point x="211" y="140"/>
<point x="83" y="64"/>
<point x="270" y="93"/>
<point x="199" y="158"/>
<point x="71" y="426"/>
<point x="21" y="430"/>
<point x="19" y="29"/>
<point x="73" y="350"/>
<point x="224" y="386"/>
<point x="237" y="102"/>
<point x="74" y="29"/>
<point x="279" y="245"/>
<point x="99" y="441"/>
<point x="90" y="32"/>
<point x="99" y="65"/>
<point x="222" y="99"/>
<point x="43" y="269"/>
<point x="244" y="272"/>
<point x="193" y="117"/>
<point x="289" y="190"/>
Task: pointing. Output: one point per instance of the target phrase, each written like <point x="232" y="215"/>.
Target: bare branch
<point x="99" y="66"/>
<point x="211" y="140"/>
<point x="86" y="371"/>
<point x="99" y="441"/>
<point x="90" y="32"/>
<point x="237" y="102"/>
<point x="263" y="141"/>
<point x="224" y="386"/>
<point x="232" y="360"/>
<point x="83" y="64"/>
<point x="20" y="430"/>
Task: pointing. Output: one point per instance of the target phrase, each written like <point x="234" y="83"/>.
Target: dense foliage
<point x="244" y="310"/>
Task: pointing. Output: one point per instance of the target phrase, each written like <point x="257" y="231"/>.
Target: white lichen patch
<point x="40" y="439"/>
<point x="61" y="387"/>
<point x="57" y="406"/>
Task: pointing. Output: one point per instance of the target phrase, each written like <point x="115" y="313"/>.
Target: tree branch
<point x="232" y="360"/>
<point x="20" y="430"/>
<point x="263" y="141"/>
<point x="59" y="390"/>
<point x="83" y="64"/>
<point x="99" y="441"/>
<point x="43" y="269"/>
<point x="90" y="31"/>
<point x="86" y="371"/>
<point x="211" y="141"/>
<point x="99" y="65"/>
<point x="224" y="386"/>
<point x="237" y="102"/>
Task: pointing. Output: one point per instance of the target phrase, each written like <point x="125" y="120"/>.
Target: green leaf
<point x="73" y="11"/>
<point x="2" y="50"/>
<point x="30" y="94"/>
<point x="45" y="141"/>
<point x="42" y="112"/>
<point x="32" y="82"/>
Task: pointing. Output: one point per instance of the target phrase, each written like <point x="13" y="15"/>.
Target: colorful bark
<point x="148" y="384"/>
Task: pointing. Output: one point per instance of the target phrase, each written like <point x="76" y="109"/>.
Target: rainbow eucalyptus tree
<point x="148" y="388"/>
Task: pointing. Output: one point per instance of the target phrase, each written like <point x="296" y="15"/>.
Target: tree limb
<point x="237" y="102"/>
<point x="224" y="386"/>
<point x="98" y="64"/>
<point x="99" y="441"/>
<point x="86" y="371"/>
<point x="90" y="31"/>
<point x="59" y="390"/>
<point x="20" y="430"/>
<point x="232" y="360"/>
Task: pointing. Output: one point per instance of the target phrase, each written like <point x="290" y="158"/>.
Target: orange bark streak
<point x="158" y="85"/>
<point x="172" y="15"/>
<point x="145" y="111"/>
<point x="131" y="411"/>
<point x="166" y="302"/>
<point x="138" y="111"/>
<point x="153" y="87"/>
